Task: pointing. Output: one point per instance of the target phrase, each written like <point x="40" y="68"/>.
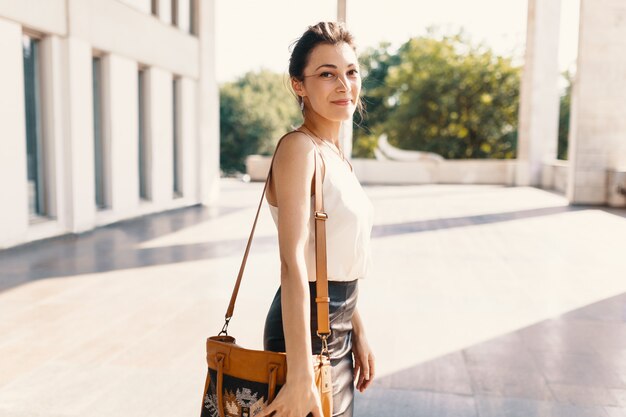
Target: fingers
<point x="372" y="363"/>
<point x="267" y="412"/>
<point x="271" y="409"/>
<point x="366" y="374"/>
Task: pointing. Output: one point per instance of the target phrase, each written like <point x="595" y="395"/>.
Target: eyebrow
<point x="332" y="66"/>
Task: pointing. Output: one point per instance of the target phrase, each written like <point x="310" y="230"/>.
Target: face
<point x="332" y="82"/>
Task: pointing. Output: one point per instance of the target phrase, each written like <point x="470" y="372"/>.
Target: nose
<point x="345" y="83"/>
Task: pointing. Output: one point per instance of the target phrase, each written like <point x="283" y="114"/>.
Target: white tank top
<point x="349" y="225"/>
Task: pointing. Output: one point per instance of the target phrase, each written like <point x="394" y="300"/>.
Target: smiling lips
<point x="342" y="102"/>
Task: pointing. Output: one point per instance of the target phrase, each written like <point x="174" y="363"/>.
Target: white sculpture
<point x="385" y="151"/>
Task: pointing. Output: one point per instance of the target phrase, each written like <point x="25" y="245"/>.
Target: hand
<point x="297" y="398"/>
<point x="363" y="362"/>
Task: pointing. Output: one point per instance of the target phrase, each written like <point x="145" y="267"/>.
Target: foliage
<point x="564" y="113"/>
<point x="255" y="111"/>
<point x="375" y="64"/>
<point x="441" y="94"/>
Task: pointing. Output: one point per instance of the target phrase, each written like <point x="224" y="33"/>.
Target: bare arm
<point x="364" y="361"/>
<point x="292" y="174"/>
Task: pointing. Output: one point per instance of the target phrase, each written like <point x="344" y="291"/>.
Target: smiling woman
<point x="325" y="78"/>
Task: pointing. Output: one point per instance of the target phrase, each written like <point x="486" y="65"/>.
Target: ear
<point x="298" y="87"/>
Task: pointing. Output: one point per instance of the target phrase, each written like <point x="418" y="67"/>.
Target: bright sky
<point x="253" y="34"/>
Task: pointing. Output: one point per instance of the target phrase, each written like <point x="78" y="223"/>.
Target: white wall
<point x="116" y="28"/>
<point x="144" y="6"/>
<point x="44" y="15"/>
<point x="13" y="183"/>
<point x="208" y="122"/>
<point x="126" y="36"/>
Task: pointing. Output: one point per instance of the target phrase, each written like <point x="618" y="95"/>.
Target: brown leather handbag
<point x="241" y="382"/>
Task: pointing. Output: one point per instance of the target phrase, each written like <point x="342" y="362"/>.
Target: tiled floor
<point x="485" y="301"/>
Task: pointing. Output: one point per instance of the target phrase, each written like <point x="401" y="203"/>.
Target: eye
<point x="327" y="74"/>
<point x="353" y="72"/>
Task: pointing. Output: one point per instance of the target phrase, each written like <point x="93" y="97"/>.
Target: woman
<point x="325" y="77"/>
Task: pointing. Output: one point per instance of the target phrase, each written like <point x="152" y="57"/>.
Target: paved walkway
<point x="485" y="301"/>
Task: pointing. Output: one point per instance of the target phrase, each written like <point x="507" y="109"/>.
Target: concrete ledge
<point x="372" y="171"/>
<point x="616" y="187"/>
<point x="554" y="175"/>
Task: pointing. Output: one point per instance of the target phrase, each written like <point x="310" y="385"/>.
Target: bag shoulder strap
<point x="322" y="299"/>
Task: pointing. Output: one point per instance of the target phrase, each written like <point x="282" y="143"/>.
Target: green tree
<point x="375" y="64"/>
<point x="442" y="94"/>
<point x="255" y="111"/>
<point x="565" y="103"/>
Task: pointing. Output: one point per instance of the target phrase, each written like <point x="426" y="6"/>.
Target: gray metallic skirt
<point x="343" y="298"/>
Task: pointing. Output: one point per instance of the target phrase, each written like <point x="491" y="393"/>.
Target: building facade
<point x="109" y="110"/>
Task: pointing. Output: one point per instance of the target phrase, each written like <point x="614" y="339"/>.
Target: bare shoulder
<point x="296" y="149"/>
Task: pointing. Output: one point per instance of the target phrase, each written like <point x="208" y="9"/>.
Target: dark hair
<point x="331" y="33"/>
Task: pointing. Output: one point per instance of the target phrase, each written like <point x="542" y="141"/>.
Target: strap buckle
<point x="225" y="328"/>
<point x="321" y="215"/>
<point x="324" y="338"/>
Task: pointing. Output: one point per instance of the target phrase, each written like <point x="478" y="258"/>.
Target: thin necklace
<point x="338" y="151"/>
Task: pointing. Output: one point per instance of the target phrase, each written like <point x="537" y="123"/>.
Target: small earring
<point x="301" y="103"/>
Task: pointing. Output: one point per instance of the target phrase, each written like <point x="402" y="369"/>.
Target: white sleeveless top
<point x="349" y="224"/>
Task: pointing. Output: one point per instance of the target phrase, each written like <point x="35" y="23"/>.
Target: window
<point x="143" y="166"/>
<point x="99" y="151"/>
<point x="193" y="24"/>
<point x="175" y="12"/>
<point x="34" y="141"/>
<point x="176" y="136"/>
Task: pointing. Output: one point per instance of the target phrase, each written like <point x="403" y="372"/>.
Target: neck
<point x="326" y="129"/>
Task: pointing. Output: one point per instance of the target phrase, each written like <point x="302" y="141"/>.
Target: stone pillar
<point x="539" y="96"/>
<point x="345" y="134"/>
<point x="13" y="171"/>
<point x="208" y="107"/>
<point x="187" y="135"/>
<point x="120" y="132"/>
<point x="159" y="130"/>
<point x="597" y="140"/>
<point x="79" y="151"/>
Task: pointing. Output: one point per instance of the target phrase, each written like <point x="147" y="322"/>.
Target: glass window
<point x="99" y="153"/>
<point x="143" y="188"/>
<point x="34" y="145"/>
<point x="192" y="17"/>
<point x="176" y="136"/>
<point x="175" y="12"/>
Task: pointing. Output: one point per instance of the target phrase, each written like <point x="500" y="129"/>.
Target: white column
<point x="539" y="98"/>
<point x="187" y="137"/>
<point x="341" y="10"/>
<point x="120" y="132"/>
<point x="79" y="147"/>
<point x="165" y="11"/>
<point x="13" y="182"/>
<point x="208" y="108"/>
<point x="160" y="134"/>
<point x="345" y="133"/>
<point x="184" y="22"/>
<point x="53" y="102"/>
<point x="597" y="139"/>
